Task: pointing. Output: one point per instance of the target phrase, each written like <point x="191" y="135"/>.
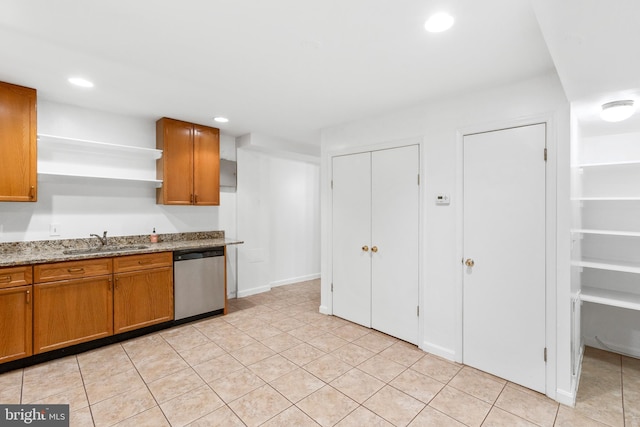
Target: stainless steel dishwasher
<point x="198" y="280"/>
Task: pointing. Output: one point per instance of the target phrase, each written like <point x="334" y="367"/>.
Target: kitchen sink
<point x="103" y="249"/>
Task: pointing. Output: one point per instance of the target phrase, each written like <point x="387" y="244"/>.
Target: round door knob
<point x="374" y="249"/>
<point x="365" y="248"/>
<point x="469" y="262"/>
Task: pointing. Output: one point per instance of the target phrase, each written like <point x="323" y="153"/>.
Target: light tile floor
<point x="275" y="361"/>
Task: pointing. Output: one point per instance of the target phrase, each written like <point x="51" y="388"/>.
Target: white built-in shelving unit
<point x="608" y="230"/>
<point x="71" y="158"/>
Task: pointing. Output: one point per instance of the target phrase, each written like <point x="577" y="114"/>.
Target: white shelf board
<point x="606" y="198"/>
<point x="625" y="267"/>
<point x="608" y="164"/>
<point x="607" y="232"/>
<point x="85" y="143"/>
<point x="53" y="175"/>
<point x="611" y="298"/>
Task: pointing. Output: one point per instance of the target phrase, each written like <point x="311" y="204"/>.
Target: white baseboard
<point x="567" y="398"/>
<point x="293" y="280"/>
<point x="439" y="351"/>
<point x="253" y="291"/>
<point x="231" y="295"/>
<point x="607" y="346"/>
<point x="266" y="288"/>
<point x="325" y="310"/>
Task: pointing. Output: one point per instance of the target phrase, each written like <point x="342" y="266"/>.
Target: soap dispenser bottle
<point x="153" y="237"/>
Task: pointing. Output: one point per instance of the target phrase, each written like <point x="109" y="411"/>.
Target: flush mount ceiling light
<point x="439" y="22"/>
<point x="220" y="119"/>
<point x="79" y="81"/>
<point x="617" y="111"/>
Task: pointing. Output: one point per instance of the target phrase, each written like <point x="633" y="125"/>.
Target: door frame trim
<point x="550" y="235"/>
<point x="327" y="255"/>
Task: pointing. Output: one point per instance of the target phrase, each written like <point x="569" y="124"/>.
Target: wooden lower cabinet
<point x="72" y="302"/>
<point x="70" y="312"/>
<point x="15" y="323"/>
<point x="142" y="298"/>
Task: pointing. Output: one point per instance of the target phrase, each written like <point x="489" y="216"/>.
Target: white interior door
<point x="351" y="232"/>
<point x="504" y="236"/>
<point x="394" y="238"/>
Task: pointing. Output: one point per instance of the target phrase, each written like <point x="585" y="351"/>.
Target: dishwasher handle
<point x="198" y="254"/>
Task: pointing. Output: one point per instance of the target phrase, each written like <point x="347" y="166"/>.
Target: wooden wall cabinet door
<point x="142" y="298"/>
<point x="15" y="323"/>
<point x="206" y="166"/>
<point x="73" y="311"/>
<point x="190" y="163"/>
<point x="18" y="145"/>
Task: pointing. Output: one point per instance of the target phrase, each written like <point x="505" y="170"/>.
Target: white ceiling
<point x="285" y="68"/>
<point x="594" y="45"/>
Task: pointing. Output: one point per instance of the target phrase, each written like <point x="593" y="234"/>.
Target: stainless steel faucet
<point x="103" y="239"/>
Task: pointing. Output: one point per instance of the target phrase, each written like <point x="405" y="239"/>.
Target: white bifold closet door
<point x="351" y="233"/>
<point x="375" y="240"/>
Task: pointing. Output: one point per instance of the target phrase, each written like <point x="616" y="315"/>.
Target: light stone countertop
<point x="47" y="251"/>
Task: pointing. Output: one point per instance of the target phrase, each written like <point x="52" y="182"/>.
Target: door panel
<point x="352" y="231"/>
<point x="16" y="323"/>
<point x="18" y="147"/>
<point x="504" y="235"/>
<point x="178" y="162"/>
<point x="206" y="169"/>
<point x="395" y="219"/>
<point x="58" y="320"/>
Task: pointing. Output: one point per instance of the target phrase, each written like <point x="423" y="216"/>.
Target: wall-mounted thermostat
<point x="442" y="199"/>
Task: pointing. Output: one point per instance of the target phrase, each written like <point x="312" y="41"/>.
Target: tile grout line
<point x="624" y="416"/>
<point x="203" y="380"/>
<point x="146" y="385"/>
<point x="84" y="387"/>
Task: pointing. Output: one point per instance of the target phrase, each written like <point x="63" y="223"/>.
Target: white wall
<point x="438" y="124"/>
<point x="83" y="206"/>
<point x="278" y="219"/>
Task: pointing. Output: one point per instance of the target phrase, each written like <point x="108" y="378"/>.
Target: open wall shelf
<point x="60" y="157"/>
<point x="611" y="298"/>
<point x="52" y="142"/>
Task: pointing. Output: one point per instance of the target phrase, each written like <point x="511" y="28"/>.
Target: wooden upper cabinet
<point x="206" y="165"/>
<point x="18" y="144"/>
<point x="190" y="163"/>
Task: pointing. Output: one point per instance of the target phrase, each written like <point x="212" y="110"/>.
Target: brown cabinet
<point x="190" y="163"/>
<point x="11" y="277"/>
<point x="51" y="306"/>
<point x="73" y="303"/>
<point x="18" y="151"/>
<point x="72" y="269"/>
<point x="143" y="294"/>
<point x="15" y="313"/>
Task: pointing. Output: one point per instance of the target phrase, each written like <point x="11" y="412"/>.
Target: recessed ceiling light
<point x="79" y="81"/>
<point x="221" y="119"/>
<point x="439" y="22"/>
<point x="617" y="111"/>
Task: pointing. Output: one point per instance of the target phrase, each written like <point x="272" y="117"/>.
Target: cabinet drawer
<point x="142" y="262"/>
<point x="72" y="269"/>
<point x="16" y="276"/>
